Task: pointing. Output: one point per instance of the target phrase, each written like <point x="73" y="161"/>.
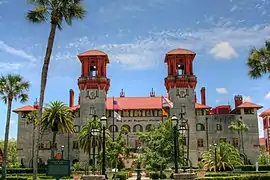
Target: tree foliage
<point x="13" y="160"/>
<point x="264" y="157"/>
<point x="259" y="61"/>
<point x="227" y="157"/>
<point x="159" y="144"/>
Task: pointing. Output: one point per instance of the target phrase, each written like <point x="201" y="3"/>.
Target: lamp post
<point x="184" y="129"/>
<point x="103" y="120"/>
<point x="215" y="145"/>
<point x="175" y="138"/>
<point x="94" y="133"/>
<point x="62" y="151"/>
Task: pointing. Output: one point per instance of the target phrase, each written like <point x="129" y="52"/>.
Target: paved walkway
<point x="134" y="177"/>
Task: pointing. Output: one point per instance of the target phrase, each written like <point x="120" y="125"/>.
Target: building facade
<point x="207" y="125"/>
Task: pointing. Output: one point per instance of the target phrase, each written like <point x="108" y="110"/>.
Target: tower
<point x="93" y="84"/>
<point x="180" y="84"/>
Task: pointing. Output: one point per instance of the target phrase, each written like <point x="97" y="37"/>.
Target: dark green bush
<point x="122" y="175"/>
<point x="221" y="174"/>
<point x="240" y="177"/>
<point x="16" y="178"/>
<point x="157" y="175"/>
<point x="253" y="168"/>
<point x="23" y="170"/>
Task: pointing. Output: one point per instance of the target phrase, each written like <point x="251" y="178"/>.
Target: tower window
<point x="180" y="69"/>
<point x="200" y="142"/>
<point x="93" y="71"/>
<point x="218" y="127"/>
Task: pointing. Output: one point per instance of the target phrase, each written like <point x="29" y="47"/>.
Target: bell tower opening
<point x="180" y="69"/>
<point x="93" y="71"/>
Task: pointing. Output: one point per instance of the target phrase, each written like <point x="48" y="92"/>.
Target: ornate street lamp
<point x="181" y="125"/>
<point x="215" y="145"/>
<point x="103" y="120"/>
<point x="94" y="133"/>
<point x="62" y="151"/>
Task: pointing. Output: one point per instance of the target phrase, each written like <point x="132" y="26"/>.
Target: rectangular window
<point x="92" y="111"/>
<point x="77" y="128"/>
<point x="75" y="145"/>
<point x="235" y="142"/>
<point x="222" y="140"/>
<point x="218" y="127"/>
<point x="200" y="142"/>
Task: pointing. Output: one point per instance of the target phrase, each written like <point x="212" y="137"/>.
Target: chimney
<point x="122" y="93"/>
<point x="238" y="100"/>
<point x="203" y="100"/>
<point x="71" y="98"/>
<point x="152" y="93"/>
<point x="36" y="106"/>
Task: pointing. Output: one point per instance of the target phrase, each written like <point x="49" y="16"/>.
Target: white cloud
<point x="148" y="51"/>
<point x="222" y="90"/>
<point x="223" y="50"/>
<point x="247" y="99"/>
<point x="9" y="66"/>
<point x="267" y="96"/>
<point x="3" y="2"/>
<point x="234" y="8"/>
<point x="11" y="50"/>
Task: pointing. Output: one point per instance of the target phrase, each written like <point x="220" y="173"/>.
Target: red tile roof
<point x="249" y="105"/>
<point x="27" y="108"/>
<point x="265" y="113"/>
<point x="180" y="51"/>
<point x="201" y="106"/>
<point x="92" y="53"/>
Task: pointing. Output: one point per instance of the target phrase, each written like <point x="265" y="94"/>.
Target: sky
<point x="136" y="36"/>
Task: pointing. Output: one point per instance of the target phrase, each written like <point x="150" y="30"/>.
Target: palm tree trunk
<point x="53" y="145"/>
<point x="33" y="142"/>
<point x="42" y="93"/>
<point x="238" y="132"/>
<point x="5" y="153"/>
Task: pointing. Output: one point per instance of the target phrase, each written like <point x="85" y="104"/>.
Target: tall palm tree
<point x="12" y="87"/>
<point x="227" y="157"/>
<point x="59" y="118"/>
<point x="87" y="140"/>
<point x="239" y="126"/>
<point x="55" y="12"/>
<point x="259" y="61"/>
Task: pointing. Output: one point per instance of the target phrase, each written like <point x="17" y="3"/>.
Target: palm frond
<point x="37" y="15"/>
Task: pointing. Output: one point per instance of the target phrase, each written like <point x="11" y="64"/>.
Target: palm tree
<point x="227" y="157"/>
<point x="59" y="118"/>
<point x="239" y="126"/>
<point x="259" y="61"/>
<point x="88" y="140"/>
<point x="12" y="87"/>
<point x="54" y="11"/>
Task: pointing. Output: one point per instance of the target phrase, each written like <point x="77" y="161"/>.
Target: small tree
<point x="227" y="157"/>
<point x="264" y="157"/>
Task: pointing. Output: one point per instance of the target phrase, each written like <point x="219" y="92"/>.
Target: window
<point x="113" y="128"/>
<point x="127" y="127"/>
<point x="75" y="145"/>
<point x="137" y="128"/>
<point x="23" y="114"/>
<point x="93" y="71"/>
<point x="148" y="127"/>
<point x="200" y="127"/>
<point x="200" y="142"/>
<point x="219" y="127"/>
<point x="92" y="111"/>
<point x="249" y="111"/>
<point x="77" y="128"/>
<point x="222" y="140"/>
<point x="235" y="142"/>
<point x="131" y="113"/>
<point x="199" y="112"/>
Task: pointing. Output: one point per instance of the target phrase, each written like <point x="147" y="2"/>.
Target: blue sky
<point x="136" y="35"/>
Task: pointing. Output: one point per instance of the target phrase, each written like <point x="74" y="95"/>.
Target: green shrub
<point x="23" y="170"/>
<point x="253" y="168"/>
<point x="122" y="175"/>
<point x="221" y="174"/>
<point x="240" y="177"/>
<point x="16" y="178"/>
<point x="154" y="175"/>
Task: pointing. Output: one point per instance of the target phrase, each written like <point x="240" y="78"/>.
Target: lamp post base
<point x="189" y="175"/>
<point x="93" y="177"/>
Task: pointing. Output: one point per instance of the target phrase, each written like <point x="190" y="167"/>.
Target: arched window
<point x="137" y="128"/>
<point x="200" y="127"/>
<point x="113" y="128"/>
<point x="148" y="127"/>
<point x="127" y="127"/>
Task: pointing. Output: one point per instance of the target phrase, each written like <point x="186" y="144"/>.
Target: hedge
<point x="253" y="168"/>
<point x="23" y="170"/>
<point x="240" y="177"/>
